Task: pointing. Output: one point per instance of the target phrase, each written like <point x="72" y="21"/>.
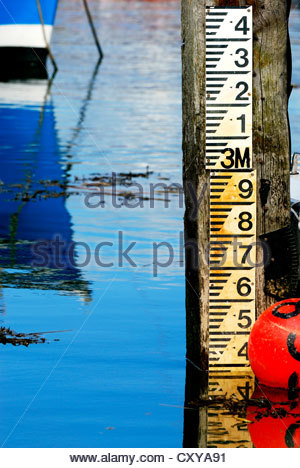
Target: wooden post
<point x="271" y="148"/>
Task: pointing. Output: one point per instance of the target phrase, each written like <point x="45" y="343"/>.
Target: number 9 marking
<point x="246" y="188"/>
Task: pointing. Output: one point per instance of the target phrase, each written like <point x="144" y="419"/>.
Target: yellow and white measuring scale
<point x="229" y="69"/>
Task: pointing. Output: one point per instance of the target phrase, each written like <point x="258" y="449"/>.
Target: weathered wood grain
<point x="195" y="178"/>
<point x="271" y="147"/>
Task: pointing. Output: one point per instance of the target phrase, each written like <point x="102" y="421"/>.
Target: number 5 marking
<point x="243" y="316"/>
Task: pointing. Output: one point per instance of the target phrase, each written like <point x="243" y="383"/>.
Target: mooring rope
<point x="90" y="19"/>
<point x="45" y="36"/>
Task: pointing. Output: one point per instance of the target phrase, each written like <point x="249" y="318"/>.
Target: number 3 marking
<point x="243" y="56"/>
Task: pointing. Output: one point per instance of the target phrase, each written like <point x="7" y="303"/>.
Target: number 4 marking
<point x="245" y="391"/>
<point x="242" y="25"/>
<point x="243" y="352"/>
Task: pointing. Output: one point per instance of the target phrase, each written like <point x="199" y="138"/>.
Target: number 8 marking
<point x="245" y="218"/>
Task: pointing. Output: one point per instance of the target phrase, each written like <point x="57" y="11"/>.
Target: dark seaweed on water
<point x="8" y="336"/>
<point x="260" y="407"/>
<point x="85" y="185"/>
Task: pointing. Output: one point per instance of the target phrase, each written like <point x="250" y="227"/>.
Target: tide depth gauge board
<point x="229" y="71"/>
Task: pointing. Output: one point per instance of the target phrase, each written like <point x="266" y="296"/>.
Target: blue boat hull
<point x="23" y="39"/>
<point x="26" y="12"/>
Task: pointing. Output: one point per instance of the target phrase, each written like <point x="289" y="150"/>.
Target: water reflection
<point x="275" y="423"/>
<point x="123" y="361"/>
<point x="264" y="418"/>
<point x="219" y="420"/>
<point x="82" y="114"/>
<point x="32" y="203"/>
<point x="195" y="418"/>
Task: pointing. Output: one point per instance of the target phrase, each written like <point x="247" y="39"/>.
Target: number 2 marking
<point x="246" y="87"/>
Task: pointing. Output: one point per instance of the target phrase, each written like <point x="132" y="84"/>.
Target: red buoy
<point x="274" y="345"/>
<point x="277" y="425"/>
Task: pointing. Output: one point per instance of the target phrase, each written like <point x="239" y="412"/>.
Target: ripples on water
<point x="117" y="378"/>
<point x="106" y="382"/>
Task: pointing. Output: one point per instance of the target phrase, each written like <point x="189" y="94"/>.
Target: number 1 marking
<point x="242" y="118"/>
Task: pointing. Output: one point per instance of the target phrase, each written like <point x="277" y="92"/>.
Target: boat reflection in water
<point x="32" y="200"/>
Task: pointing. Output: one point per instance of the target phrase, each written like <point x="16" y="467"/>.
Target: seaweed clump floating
<point x="8" y="336"/>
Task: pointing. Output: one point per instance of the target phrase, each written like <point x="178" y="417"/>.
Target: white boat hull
<point x="24" y="35"/>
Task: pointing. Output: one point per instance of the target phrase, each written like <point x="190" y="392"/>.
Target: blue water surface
<point x="116" y="379"/>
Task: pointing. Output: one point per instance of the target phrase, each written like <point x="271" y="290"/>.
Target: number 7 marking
<point x="247" y="251"/>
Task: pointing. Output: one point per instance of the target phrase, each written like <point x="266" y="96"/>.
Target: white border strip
<point x="24" y="35"/>
<point x="136" y="457"/>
